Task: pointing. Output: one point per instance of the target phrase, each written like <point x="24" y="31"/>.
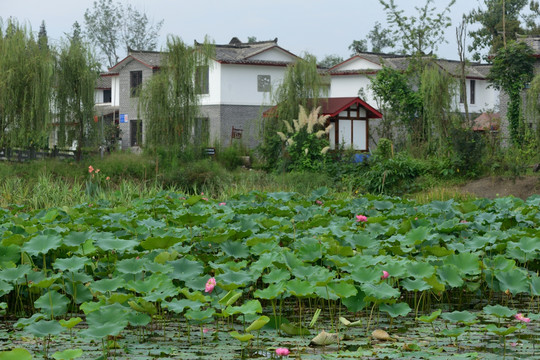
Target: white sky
<point x="320" y="27"/>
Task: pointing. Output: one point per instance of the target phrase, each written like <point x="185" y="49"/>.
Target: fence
<point x="21" y="155"/>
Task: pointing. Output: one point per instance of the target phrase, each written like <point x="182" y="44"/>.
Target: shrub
<point x="468" y="146"/>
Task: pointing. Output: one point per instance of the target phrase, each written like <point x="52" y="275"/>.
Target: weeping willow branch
<point x="170" y="100"/>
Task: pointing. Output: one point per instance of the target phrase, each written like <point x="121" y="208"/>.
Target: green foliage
<point x="170" y="101"/>
<point x="231" y="157"/>
<point x="512" y="69"/>
<point x="306" y="141"/>
<point x="26" y="85"/>
<point x="302" y="85"/>
<point x="111" y="27"/>
<point x="469" y="148"/>
<point x="490" y="35"/>
<point x="421" y="34"/>
<point x="76" y="75"/>
<point x="385" y="149"/>
<point x="330" y="60"/>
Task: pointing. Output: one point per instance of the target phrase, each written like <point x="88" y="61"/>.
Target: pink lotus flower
<point x="210" y="285"/>
<point x="97" y="170"/>
<point x="282" y="352"/>
<point x="361" y="218"/>
<point x="513" y="344"/>
<point x="222" y="203"/>
<point x="205" y="199"/>
<point x="520" y="317"/>
<point x="90" y="169"/>
<point x="107" y="178"/>
<point x="319" y="202"/>
<point x="385" y="275"/>
<point x="205" y="330"/>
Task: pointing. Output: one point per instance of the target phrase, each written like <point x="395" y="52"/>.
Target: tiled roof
<point x="532" y="41"/>
<point x="103" y="82"/>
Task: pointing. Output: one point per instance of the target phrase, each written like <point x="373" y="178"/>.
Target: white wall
<point x="274" y="54"/>
<point x="115" y="91"/>
<point x="237" y="84"/>
<point x="486" y="98"/>
<point x="348" y="85"/>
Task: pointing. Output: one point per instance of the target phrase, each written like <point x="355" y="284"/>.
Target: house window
<point x="135" y="82"/>
<point x="263" y="83"/>
<point x="107" y="96"/>
<point x="201" y="131"/>
<point x="472" y="85"/>
<point x="135" y="131"/>
<point x="202" y="80"/>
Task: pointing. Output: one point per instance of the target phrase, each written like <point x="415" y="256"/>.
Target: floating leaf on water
<point x="68" y="354"/>
<point x="16" y="354"/>
<point x="324" y="338"/>
<point x="429" y="319"/>
<point x="381" y="335"/>
<point x="241" y="337"/>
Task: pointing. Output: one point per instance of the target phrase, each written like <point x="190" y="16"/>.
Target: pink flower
<point x="319" y="202"/>
<point x="97" y="170"/>
<point x="513" y="344"/>
<point x="520" y="317"/>
<point x="385" y="275"/>
<point x="205" y="330"/>
<point x="205" y="199"/>
<point x="107" y="178"/>
<point x="210" y="285"/>
<point x="361" y="218"/>
<point x="90" y="169"/>
<point x="463" y="221"/>
<point x="221" y="203"/>
<point x="282" y="352"/>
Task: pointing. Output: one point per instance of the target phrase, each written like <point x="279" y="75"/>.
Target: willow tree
<point x="170" y="100"/>
<point x="25" y="87"/>
<point x="76" y="74"/>
<point x="302" y="85"/>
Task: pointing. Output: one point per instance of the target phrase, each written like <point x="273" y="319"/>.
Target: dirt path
<point x="492" y="187"/>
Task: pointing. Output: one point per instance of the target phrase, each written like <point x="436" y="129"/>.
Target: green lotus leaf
<point x="258" y="324"/>
<point x="130" y="266"/>
<point x="72" y="264"/>
<point x="535" y="285"/>
<point x="459" y="317"/>
<point x="499" y="311"/>
<point x="44" y="328"/>
<point x="195" y="295"/>
<point x="138" y="319"/>
<point x="70" y="323"/>
<point x="343" y="289"/>
<point x="291" y="260"/>
<point x="249" y="308"/>
<point x="68" y="354"/>
<point x="23" y="322"/>
<point x="265" y="259"/>
<point x="450" y="275"/>
<point x="158" y="268"/>
<point x="293" y="330"/>
<point x="16" y="354"/>
<point x="281" y="196"/>
<point x="107" y="242"/>
<point x="142" y="305"/>
<point x="325" y="293"/>
<point x="454" y="332"/>
<point x="303" y="271"/>
<point x="395" y="310"/>
<point x="415" y="237"/>
<point x="166" y="290"/>
<point x="106" y="285"/>
<point x="271" y="292"/>
<point x="501" y="331"/>
<point x="42" y="244"/>
<point x="12" y="275"/>
<point x="366" y="275"/>
<point x="437" y="251"/>
<point x="5" y="288"/>
<point x="234" y="279"/>
<point x="277" y="275"/>
<point x="230" y="298"/>
<point x="200" y="315"/>
<point x="241" y="337"/>
<point x="178" y="306"/>
<point x="355" y="303"/>
<point x="320" y="276"/>
<point x="466" y="263"/>
<point x="115" y="298"/>
<point x="76" y="239"/>
<point x="45" y="283"/>
<point x="9" y="254"/>
<point x="143" y="286"/>
<point x="380" y="291"/>
<point x="90" y="306"/>
<point x="299" y="287"/>
<point x="395" y="268"/>
<point x="415" y="285"/>
<point x="513" y="280"/>
<point x="184" y="269"/>
<point x="161" y="242"/>
<point x="98" y="331"/>
<point x="528" y="245"/>
<point x="235" y="249"/>
<point x="430" y="318"/>
<point x="420" y="270"/>
<point x="59" y="303"/>
<point x="499" y="263"/>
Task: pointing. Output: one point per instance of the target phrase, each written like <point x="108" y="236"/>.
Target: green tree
<point x="76" y="74"/>
<point x="25" y="87"/>
<point x="496" y="25"/>
<point x="170" y="100"/>
<point x="512" y="69"/>
<point x="43" y="40"/>
<point x="421" y="34"/>
<point x="330" y="60"/>
<point x="114" y="28"/>
<point x="302" y="85"/>
<point x="358" y="46"/>
<point x="380" y="38"/>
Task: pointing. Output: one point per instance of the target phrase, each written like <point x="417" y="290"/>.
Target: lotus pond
<point x="190" y="278"/>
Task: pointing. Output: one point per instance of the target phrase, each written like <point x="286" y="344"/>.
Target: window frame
<point x="263" y="83"/>
<point x="135" y="82"/>
<point x="472" y="91"/>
